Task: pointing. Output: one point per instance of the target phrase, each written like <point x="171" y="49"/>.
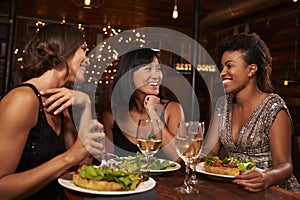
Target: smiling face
<point x="148" y="78"/>
<point x="234" y="72"/>
<point x="78" y="64"/>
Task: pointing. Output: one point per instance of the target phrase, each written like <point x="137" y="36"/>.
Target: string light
<point x="80" y="27"/>
<point x="175" y="11"/>
<point x="110" y="31"/>
<point x="107" y="55"/>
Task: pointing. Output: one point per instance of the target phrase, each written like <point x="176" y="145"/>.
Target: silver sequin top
<point x="253" y="139"/>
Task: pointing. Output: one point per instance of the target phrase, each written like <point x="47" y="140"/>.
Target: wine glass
<point x="103" y="154"/>
<point x="194" y="179"/>
<point x="188" y="143"/>
<point x="149" y="137"/>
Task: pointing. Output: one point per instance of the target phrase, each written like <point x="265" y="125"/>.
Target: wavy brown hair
<point x="49" y="48"/>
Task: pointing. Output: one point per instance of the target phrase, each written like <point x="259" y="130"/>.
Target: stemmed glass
<point x="103" y="154"/>
<point x="149" y="137"/>
<point x="188" y="143"/>
<point x="194" y="179"/>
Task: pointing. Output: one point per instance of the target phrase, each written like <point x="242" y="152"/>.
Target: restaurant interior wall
<point x="276" y="25"/>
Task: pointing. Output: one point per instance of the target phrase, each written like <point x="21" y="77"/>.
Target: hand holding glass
<point x="149" y="137"/>
<point x="97" y="129"/>
<point x="188" y="143"/>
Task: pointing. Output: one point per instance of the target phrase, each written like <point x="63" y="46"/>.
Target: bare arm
<point x="15" y="125"/>
<point x="280" y="143"/>
<point x="173" y="115"/>
<point x="212" y="142"/>
<point x="70" y="131"/>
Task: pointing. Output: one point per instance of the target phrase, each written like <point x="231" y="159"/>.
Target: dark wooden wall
<point x="277" y="25"/>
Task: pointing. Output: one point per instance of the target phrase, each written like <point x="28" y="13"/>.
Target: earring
<point x="249" y="75"/>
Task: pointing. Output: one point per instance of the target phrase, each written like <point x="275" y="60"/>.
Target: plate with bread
<point x="225" y="169"/>
<point x="106" y="181"/>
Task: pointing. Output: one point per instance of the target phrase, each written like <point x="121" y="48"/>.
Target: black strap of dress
<point x="35" y="91"/>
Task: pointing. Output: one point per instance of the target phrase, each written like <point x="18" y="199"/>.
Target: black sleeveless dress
<point x="42" y="145"/>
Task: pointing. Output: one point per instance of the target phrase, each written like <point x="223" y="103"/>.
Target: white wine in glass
<point x="149" y="145"/>
<point x="193" y="178"/>
<point x="149" y="138"/>
<point x="188" y="142"/>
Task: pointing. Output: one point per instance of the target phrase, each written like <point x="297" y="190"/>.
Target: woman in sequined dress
<point x="37" y="136"/>
<point x="250" y="121"/>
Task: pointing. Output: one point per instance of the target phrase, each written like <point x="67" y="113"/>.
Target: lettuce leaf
<point x="110" y="175"/>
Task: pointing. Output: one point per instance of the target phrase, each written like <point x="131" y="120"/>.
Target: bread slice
<point x="222" y="170"/>
<point x="99" y="185"/>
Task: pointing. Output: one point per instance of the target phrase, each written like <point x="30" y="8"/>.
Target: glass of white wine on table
<point x="149" y="137"/>
<point x="201" y="130"/>
<point x="188" y="142"/>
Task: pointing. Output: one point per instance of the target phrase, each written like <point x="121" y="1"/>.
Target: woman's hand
<point x="150" y="101"/>
<point x="252" y="180"/>
<point x="152" y="105"/>
<point x="59" y="99"/>
<point x="88" y="143"/>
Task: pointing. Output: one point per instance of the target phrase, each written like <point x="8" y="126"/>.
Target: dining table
<point x="209" y="188"/>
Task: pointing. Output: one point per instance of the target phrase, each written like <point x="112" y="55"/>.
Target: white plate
<point x="67" y="182"/>
<point x="200" y="169"/>
<point x="164" y="170"/>
<point x="176" y="167"/>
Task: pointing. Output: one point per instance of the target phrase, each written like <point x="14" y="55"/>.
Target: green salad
<point x="138" y="162"/>
<point x="112" y="175"/>
<point x="230" y="162"/>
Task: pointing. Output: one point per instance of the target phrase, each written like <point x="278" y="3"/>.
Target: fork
<point x="104" y="158"/>
<point x="103" y="163"/>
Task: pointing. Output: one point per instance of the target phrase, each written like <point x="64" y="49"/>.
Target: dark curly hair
<point x="254" y="51"/>
<point x="50" y="47"/>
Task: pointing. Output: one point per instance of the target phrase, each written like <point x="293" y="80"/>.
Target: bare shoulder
<point x="173" y="107"/>
<point x="20" y="105"/>
<point x="22" y="97"/>
<point x="282" y="120"/>
<point x="174" y="112"/>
